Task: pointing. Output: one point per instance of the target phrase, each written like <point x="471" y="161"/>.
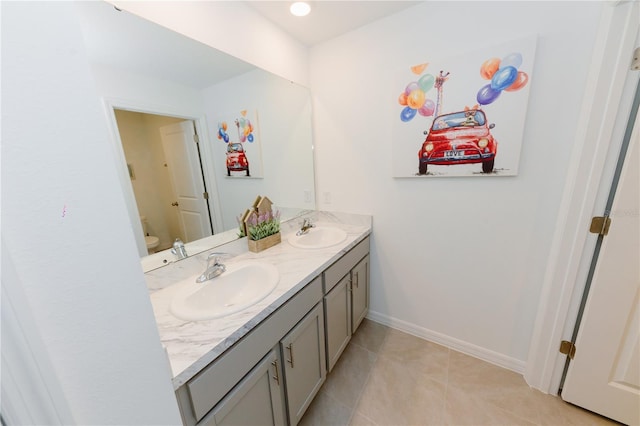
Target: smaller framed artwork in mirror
<point x="238" y="134"/>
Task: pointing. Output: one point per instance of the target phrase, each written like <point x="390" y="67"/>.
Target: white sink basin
<point x="241" y="286"/>
<point x="318" y="237"/>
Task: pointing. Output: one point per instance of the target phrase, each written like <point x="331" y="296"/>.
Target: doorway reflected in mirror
<point x="169" y="186"/>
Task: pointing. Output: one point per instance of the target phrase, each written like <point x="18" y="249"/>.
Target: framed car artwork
<point x="463" y="116"/>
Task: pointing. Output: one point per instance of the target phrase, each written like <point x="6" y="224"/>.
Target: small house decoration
<point x="262" y="225"/>
<point x="262" y="205"/>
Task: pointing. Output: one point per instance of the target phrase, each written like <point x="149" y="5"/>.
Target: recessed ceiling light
<point x="300" y="8"/>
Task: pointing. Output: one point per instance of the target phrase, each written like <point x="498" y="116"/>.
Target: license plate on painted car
<point x="453" y="154"/>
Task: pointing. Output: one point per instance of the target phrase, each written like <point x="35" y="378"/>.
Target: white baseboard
<point x="466" y="348"/>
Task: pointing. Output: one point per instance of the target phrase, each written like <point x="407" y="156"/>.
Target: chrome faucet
<point x="306" y="225"/>
<point x="214" y="270"/>
<point x="178" y="249"/>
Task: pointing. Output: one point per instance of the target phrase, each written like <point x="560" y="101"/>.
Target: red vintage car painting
<point x="236" y="159"/>
<point x="459" y="138"/>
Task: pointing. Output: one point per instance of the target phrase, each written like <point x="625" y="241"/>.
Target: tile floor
<point x="387" y="377"/>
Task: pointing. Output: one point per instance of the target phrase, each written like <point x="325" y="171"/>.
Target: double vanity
<point x="254" y="344"/>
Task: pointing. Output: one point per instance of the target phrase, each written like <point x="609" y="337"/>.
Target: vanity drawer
<point x="342" y="266"/>
<point x="211" y="385"/>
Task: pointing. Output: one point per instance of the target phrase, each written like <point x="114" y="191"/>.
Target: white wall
<point x="65" y="227"/>
<point x="456" y="260"/>
<point x="233" y="28"/>
<point x="284" y="129"/>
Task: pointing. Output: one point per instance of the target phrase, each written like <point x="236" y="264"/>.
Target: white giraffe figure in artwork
<point x="238" y="127"/>
<point x="440" y="79"/>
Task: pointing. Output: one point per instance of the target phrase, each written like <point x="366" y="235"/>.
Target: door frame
<point x="206" y="156"/>
<point x="604" y="114"/>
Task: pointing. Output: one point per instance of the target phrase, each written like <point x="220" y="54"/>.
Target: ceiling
<point x="328" y="19"/>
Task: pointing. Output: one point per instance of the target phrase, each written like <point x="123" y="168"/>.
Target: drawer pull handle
<point x="290" y="360"/>
<point x="277" y="376"/>
<point x="356" y="279"/>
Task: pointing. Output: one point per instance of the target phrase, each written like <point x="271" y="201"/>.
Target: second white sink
<point x="320" y="236"/>
<point x="241" y="286"/>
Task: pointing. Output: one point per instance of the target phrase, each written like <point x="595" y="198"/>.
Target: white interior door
<point x="178" y="142"/>
<point x="604" y="376"/>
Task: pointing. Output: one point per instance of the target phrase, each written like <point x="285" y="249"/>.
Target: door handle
<point x="175" y="204"/>
<point x="290" y="360"/>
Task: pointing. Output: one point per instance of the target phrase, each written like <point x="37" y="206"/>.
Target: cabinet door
<point x="337" y="315"/>
<point x="359" y="292"/>
<point x="305" y="370"/>
<point x="257" y="400"/>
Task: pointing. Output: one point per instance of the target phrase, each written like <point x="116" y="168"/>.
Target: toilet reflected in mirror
<point x="151" y="240"/>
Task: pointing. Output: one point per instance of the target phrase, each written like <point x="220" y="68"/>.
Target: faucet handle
<point x="216" y="256"/>
<point x="179" y="249"/>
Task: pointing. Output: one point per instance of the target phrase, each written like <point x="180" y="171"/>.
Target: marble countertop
<point x="193" y="345"/>
<point x="165" y="257"/>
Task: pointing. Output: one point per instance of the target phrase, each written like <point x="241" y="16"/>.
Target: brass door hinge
<point x="196" y="138"/>
<point x="568" y="348"/>
<point x="600" y="225"/>
<point x="205" y="195"/>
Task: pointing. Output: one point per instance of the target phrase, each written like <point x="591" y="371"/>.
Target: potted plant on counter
<point x="262" y="226"/>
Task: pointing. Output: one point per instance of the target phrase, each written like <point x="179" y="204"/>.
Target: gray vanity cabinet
<point x="359" y="292"/>
<point x="346" y="300"/>
<point x="303" y="352"/>
<point x="257" y="400"/>
<point x="227" y="390"/>
<point x="337" y="313"/>
<point x="268" y="379"/>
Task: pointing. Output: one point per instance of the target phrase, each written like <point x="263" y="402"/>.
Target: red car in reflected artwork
<point x="236" y="159"/>
<point x="459" y="138"/>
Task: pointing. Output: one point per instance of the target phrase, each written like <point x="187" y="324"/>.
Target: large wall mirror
<point x="162" y="91"/>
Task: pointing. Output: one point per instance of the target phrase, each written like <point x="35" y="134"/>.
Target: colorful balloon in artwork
<point x="487" y="94"/>
<point x="503" y="75"/>
<point x="411" y="87"/>
<point x="416" y="99"/>
<point x="426" y="82"/>
<point x="503" y="78"/>
<point x="489" y="68"/>
<point x="417" y="69"/>
<point x="250" y="137"/>
<point x="407" y="114"/>
<point x="222" y="132"/>
<point x="427" y="109"/>
<point x="519" y="83"/>
<point x="511" y="60"/>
